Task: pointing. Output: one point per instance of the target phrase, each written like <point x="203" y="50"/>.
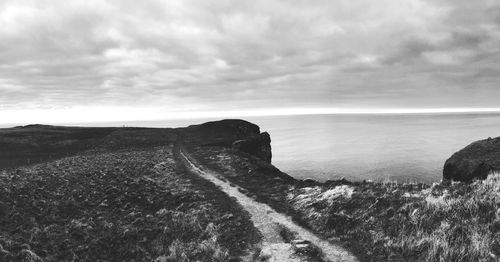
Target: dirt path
<point x="270" y="223"/>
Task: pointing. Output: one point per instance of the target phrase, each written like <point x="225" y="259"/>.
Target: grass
<point x="33" y="144"/>
<point x="193" y="240"/>
<point x="460" y="226"/>
<point x="403" y="223"/>
<point x="378" y="221"/>
<point x="122" y="205"/>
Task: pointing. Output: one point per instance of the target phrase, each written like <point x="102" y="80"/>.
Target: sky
<point x="93" y="60"/>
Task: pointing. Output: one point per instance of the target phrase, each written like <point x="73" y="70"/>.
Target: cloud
<point x="218" y="54"/>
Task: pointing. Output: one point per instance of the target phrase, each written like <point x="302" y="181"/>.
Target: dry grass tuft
<point x="405" y="222"/>
<point x="456" y="227"/>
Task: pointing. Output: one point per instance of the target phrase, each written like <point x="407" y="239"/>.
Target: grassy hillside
<point x="33" y="144"/>
<point x="37" y="143"/>
<point x="110" y="194"/>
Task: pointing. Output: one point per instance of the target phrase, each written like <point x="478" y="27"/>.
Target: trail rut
<point x="270" y="223"/>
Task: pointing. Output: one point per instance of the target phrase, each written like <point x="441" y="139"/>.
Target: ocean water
<point x="405" y="148"/>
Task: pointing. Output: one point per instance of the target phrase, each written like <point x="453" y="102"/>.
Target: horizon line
<point x="330" y="111"/>
<point x="298" y="111"/>
<point x="87" y="115"/>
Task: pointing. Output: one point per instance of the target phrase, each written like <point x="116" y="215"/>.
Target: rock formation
<point x="223" y="132"/>
<point x="476" y="161"/>
<point x="259" y="146"/>
<point x="238" y="134"/>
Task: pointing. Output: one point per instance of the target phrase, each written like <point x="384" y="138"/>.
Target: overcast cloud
<point x="183" y="55"/>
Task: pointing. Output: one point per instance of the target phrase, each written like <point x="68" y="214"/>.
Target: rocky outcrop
<point x="231" y="128"/>
<point x="476" y="161"/>
<point x="223" y="132"/>
<point x="259" y="146"/>
<point x="238" y="134"/>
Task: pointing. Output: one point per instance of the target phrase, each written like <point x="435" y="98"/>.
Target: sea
<point x="385" y="147"/>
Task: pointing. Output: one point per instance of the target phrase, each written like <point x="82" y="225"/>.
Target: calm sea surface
<point x="359" y="147"/>
<point x="376" y="147"/>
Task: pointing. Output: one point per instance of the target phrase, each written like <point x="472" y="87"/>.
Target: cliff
<point x="240" y="135"/>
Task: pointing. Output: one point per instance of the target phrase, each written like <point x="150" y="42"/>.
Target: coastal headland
<point x="209" y="192"/>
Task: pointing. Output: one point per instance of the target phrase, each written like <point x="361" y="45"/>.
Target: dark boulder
<point x="259" y="146"/>
<point x="476" y="161"/>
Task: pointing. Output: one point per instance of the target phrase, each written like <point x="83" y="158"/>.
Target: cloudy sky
<point x="94" y="60"/>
